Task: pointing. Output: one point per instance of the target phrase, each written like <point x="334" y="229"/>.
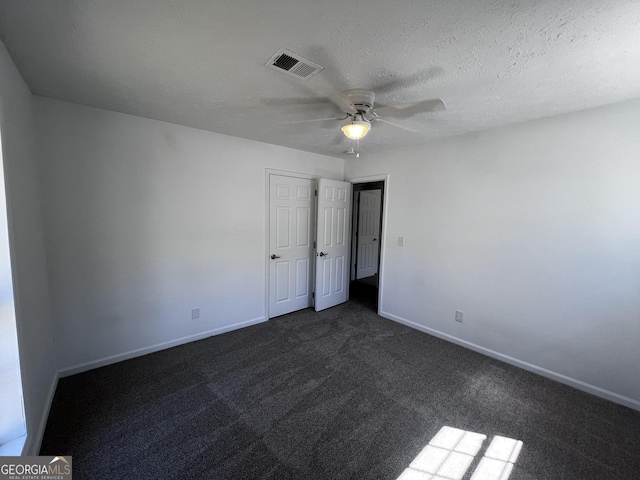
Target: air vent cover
<point x="286" y="61"/>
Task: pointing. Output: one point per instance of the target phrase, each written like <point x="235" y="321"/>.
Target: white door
<point x="291" y="221"/>
<point x="368" y="233"/>
<point x="332" y="237"/>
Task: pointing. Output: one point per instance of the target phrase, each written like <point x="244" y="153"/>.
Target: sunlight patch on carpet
<point x="451" y="452"/>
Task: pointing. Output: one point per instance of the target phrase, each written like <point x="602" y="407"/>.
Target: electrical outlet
<point x="459" y="316"/>
<point x="401" y="241"/>
<point x="195" y="313"/>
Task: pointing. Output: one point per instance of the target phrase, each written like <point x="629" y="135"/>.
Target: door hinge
<point x="314" y="244"/>
<point x="316" y="192"/>
<point x="313" y="295"/>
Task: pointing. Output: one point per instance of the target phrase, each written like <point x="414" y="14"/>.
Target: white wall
<point x="32" y="307"/>
<point x="146" y="220"/>
<point x="533" y="232"/>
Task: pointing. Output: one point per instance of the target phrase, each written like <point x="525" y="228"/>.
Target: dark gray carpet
<point x="342" y="394"/>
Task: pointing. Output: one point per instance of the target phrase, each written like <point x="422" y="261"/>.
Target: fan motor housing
<point x="361" y="99"/>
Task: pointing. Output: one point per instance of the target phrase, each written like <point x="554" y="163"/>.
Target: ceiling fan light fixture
<point x="356" y="127"/>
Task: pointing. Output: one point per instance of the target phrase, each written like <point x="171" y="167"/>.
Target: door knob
<point x="274" y="256"/>
<point x="322" y="254"/>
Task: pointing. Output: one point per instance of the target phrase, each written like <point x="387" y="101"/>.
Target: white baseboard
<point x="34" y="440"/>
<point x="83" y="367"/>
<point x="580" y="385"/>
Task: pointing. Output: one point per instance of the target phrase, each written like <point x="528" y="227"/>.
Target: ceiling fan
<point x="357" y="106"/>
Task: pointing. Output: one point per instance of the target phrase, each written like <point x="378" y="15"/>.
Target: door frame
<point x="267" y="251"/>
<point x="385" y="178"/>
<point x="355" y="225"/>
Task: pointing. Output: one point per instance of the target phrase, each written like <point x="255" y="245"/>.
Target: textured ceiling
<point x="201" y="63"/>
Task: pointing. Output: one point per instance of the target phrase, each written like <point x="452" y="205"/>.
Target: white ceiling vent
<point x="293" y="64"/>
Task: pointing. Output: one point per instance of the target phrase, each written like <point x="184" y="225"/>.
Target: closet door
<point x="333" y="243"/>
<point x="291" y="252"/>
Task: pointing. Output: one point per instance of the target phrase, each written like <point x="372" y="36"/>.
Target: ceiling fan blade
<point x="408" y="129"/>
<point x="432" y="105"/>
<point x="277" y="102"/>
<point x="423" y="76"/>
<point x="341" y="103"/>
<point x="327" y="95"/>
<point x="333" y="97"/>
<point x="313" y="120"/>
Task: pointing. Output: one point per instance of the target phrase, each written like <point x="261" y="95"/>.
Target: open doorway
<point x="366" y="244"/>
